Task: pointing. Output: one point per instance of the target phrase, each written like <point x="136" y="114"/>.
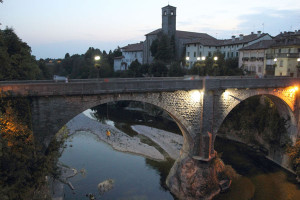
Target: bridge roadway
<point x="127" y="85"/>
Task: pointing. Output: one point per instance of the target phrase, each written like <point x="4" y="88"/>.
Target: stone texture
<point x="191" y="179"/>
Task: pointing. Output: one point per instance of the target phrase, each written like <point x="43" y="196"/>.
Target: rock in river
<point x="105" y="186"/>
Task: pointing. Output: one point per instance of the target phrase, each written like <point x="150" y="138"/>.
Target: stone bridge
<point x="198" y="106"/>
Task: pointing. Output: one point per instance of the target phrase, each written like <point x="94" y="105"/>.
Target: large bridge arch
<point x="61" y="109"/>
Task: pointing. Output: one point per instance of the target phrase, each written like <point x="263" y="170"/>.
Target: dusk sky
<point x="54" y="27"/>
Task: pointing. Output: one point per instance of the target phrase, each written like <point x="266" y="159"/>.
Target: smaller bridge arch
<point x="283" y="98"/>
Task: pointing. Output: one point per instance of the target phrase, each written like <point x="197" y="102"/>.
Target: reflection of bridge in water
<point x="198" y="106"/>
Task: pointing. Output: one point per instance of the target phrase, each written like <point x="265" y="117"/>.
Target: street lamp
<point x="97" y="64"/>
<point x="215" y="58"/>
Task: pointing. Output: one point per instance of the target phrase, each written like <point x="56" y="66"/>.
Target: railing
<point x="283" y="55"/>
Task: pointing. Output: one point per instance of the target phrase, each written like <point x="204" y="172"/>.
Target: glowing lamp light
<point x="97" y="58"/>
<point x="275" y="59"/>
<point x="215" y="58"/>
<point x="203" y="58"/>
<point x="195" y="96"/>
<point x="296" y="88"/>
<point x="187" y="58"/>
<point x="226" y="94"/>
<point x="298" y="59"/>
<point x="198" y="58"/>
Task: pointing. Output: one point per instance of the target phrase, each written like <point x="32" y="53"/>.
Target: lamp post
<point x="97" y="64"/>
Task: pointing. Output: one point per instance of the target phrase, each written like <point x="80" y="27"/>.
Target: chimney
<point x="233" y="38"/>
<point x="252" y="33"/>
<point x="258" y="33"/>
<point x="241" y="37"/>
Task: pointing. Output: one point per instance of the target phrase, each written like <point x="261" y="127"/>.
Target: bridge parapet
<point x="242" y="83"/>
<point x="99" y="87"/>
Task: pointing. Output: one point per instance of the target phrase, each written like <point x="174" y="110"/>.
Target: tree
<point x="134" y="69"/>
<point x="158" y="69"/>
<point x="16" y="60"/>
<point x="175" y="70"/>
<point x="163" y="48"/>
<point x="22" y="167"/>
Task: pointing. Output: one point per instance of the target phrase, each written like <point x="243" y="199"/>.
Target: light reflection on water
<point x="134" y="179"/>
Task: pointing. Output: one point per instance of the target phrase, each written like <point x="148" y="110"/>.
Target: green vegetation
<point x="22" y="167"/>
<point x="294" y="154"/>
<point x="221" y="67"/>
<point x="16" y="60"/>
<point x="257" y="121"/>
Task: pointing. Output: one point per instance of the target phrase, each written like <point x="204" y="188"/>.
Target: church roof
<point x="133" y="47"/>
<point x="186" y="35"/>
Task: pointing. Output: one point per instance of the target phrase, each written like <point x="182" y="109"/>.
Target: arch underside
<point x="63" y="109"/>
<point x="284" y="104"/>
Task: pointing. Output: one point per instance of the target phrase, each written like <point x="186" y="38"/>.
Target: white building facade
<point x="130" y="53"/>
<point x="198" y="48"/>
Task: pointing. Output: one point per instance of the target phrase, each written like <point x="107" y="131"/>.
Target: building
<point x="130" y="53"/>
<point x="169" y="28"/>
<point x="285" y="53"/>
<point x="279" y="56"/>
<point x="252" y="58"/>
<point x="202" y="47"/>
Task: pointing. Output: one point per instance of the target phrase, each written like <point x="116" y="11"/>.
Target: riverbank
<point x="119" y="140"/>
<point x="169" y="142"/>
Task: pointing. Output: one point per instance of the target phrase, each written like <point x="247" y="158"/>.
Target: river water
<point x="140" y="178"/>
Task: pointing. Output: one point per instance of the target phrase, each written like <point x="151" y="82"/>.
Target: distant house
<point x="130" y="53"/>
<point x="252" y="58"/>
<point x="285" y="53"/>
<point x="202" y="47"/>
<point x="279" y="57"/>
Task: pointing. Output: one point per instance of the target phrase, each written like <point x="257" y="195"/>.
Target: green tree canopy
<point x="16" y="60"/>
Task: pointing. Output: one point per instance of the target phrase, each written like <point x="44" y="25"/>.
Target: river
<point x="140" y="178"/>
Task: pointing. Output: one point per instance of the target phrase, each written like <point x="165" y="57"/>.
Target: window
<point x="194" y="44"/>
<point x="209" y="47"/>
<point x="165" y="13"/>
<point x="195" y="54"/>
<point x="188" y="45"/>
<point x="259" y="69"/>
<point x="172" y="13"/>
<point x="231" y="54"/>
<point x="209" y="54"/>
<point x="281" y="63"/>
<point x="280" y="74"/>
<point x="237" y="54"/>
<point x="227" y="54"/>
<point x="188" y="54"/>
<point x="200" y="54"/>
<point x="279" y="51"/>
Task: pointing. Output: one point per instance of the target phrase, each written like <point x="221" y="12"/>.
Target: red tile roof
<point x="133" y="47"/>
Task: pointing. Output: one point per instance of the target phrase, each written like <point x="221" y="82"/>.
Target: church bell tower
<point x="169" y="20"/>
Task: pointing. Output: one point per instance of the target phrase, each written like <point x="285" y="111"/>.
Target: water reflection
<point x="134" y="177"/>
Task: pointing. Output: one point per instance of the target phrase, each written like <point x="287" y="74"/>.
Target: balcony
<point x="283" y="55"/>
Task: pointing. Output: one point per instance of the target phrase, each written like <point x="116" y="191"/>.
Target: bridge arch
<point x="64" y="108"/>
<point x="283" y="98"/>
